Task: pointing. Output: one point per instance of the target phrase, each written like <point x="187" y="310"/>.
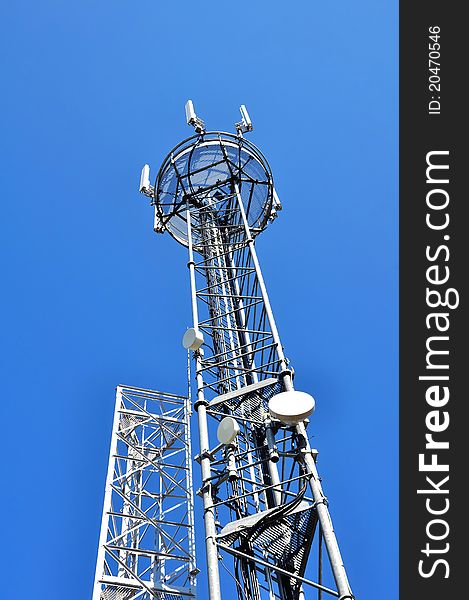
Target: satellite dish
<point x="291" y="407"/>
<point x="227" y="430"/>
<point x="192" y="339"/>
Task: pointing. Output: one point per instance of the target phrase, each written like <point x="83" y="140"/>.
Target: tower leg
<point x="209" y="515"/>
<point x="330" y="539"/>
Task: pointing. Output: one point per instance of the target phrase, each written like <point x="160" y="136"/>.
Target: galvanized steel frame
<point x="230" y="305"/>
<point x="147" y="545"/>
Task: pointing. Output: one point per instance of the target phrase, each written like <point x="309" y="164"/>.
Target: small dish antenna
<point x="227" y="431"/>
<point x="291" y="407"/>
<point x="192" y="339"/>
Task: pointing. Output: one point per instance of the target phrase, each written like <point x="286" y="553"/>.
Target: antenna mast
<point x="264" y="509"/>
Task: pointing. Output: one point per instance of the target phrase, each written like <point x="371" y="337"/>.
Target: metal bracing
<point x="147" y="546"/>
<point x="239" y="356"/>
<point x="264" y="509"/>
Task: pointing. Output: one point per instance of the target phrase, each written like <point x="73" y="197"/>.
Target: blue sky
<point x="92" y="298"/>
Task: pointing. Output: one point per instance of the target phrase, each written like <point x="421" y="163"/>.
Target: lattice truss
<point x="265" y="517"/>
<point x="261" y="516"/>
<point x="262" y="497"/>
<point x="204" y="171"/>
<point x="147" y="536"/>
<point x="239" y="348"/>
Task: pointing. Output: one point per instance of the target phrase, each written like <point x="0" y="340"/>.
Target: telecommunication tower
<point x="265" y="513"/>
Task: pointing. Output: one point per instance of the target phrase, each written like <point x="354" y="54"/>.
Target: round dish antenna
<point x="192" y="339"/>
<point x="227" y="431"/>
<point x="291" y="407"/>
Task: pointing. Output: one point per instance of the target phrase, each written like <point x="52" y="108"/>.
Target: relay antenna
<point x="264" y="510"/>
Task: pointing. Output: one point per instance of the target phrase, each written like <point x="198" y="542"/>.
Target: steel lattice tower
<point x="264" y="509"/>
<point x="146" y="546"/>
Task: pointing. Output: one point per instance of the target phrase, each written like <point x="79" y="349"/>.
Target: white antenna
<point x="145" y="180"/>
<point x="246" y="124"/>
<point x="276" y="206"/>
<point x="276" y="203"/>
<point x="227" y="431"/>
<point x="192" y="119"/>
